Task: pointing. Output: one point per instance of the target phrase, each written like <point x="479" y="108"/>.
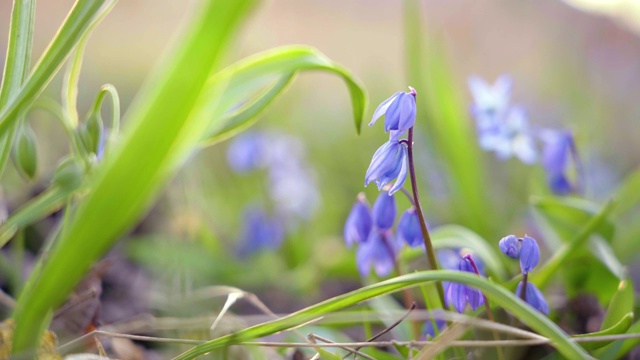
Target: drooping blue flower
<point x="389" y="162"/>
<point x="260" y="232"/>
<point x="529" y="254"/>
<point x="428" y="329"/>
<point x="378" y="252"/>
<point x="384" y="211"/>
<point x="460" y="295"/>
<point x="509" y="245"/>
<point x="409" y="229"/>
<point x="399" y="111"/>
<point x="359" y="223"/>
<point x="534" y="297"/>
<point x="558" y="147"/>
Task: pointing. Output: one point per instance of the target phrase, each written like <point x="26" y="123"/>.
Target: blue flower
<point x="399" y="111"/>
<point x="460" y="295"/>
<point x="384" y="211"/>
<point x="509" y="246"/>
<point x="359" y="223"/>
<point x="377" y="252"/>
<point x="409" y="229"/>
<point x="246" y="152"/>
<point x="260" y="233"/>
<point x="529" y="254"/>
<point x="428" y="329"/>
<point x="490" y="105"/>
<point x="514" y="138"/>
<point x="534" y="297"/>
<point x="389" y="162"/>
<point x="558" y="146"/>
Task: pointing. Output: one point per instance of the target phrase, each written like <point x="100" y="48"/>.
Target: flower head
<point x="399" y="111"/>
<point x="377" y="252"/>
<point x="558" y="146"/>
<point x="460" y="295"/>
<point x="534" y="297"/>
<point x="384" y="211"/>
<point x="529" y="254"/>
<point x="359" y="223"/>
<point x="514" y="138"/>
<point x="260" y="232"/>
<point x="389" y="162"/>
<point x="409" y="229"/>
<point x="509" y="245"/>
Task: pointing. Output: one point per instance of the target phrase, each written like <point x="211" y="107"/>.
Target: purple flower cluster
<point x="504" y="129"/>
<point x="527" y="250"/>
<point x="390" y="161"/>
<point x="372" y="230"/>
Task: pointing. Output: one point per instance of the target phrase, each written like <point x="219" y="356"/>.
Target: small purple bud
<point x="558" y="146"/>
<point x="534" y="297"/>
<point x="376" y="252"/>
<point x="509" y="246"/>
<point x="529" y="254"/>
<point x="384" y="211"/>
<point x="409" y="228"/>
<point x="359" y="223"/>
<point x="389" y="162"/>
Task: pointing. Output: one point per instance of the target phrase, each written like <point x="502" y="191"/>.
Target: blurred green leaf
<point x="446" y="123"/>
<point x="617" y="328"/>
<point x="628" y="193"/>
<point x="165" y="126"/>
<point x="498" y="295"/>
<point x="622" y="303"/>
<point x="255" y="82"/>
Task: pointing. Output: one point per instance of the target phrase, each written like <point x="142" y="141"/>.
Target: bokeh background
<point x="572" y="68"/>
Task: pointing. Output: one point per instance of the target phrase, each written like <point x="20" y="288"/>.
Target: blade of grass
<point x="161" y="134"/>
<point x="499" y="295"/>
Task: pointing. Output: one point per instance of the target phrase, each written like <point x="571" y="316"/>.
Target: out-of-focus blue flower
<point x="378" y="252"/>
<point x="384" y="211"/>
<point x="260" y="233"/>
<point x="558" y="147"/>
<point x="460" y="295"/>
<point x="529" y="254"/>
<point x="359" y="223"/>
<point x="389" y="162"/>
<point x="509" y="246"/>
<point x="409" y="229"/>
<point x="429" y="331"/>
<point x="246" y="152"/>
<point x="534" y="297"/>
<point x="490" y="101"/>
<point x="514" y="138"/>
<point x="399" y="111"/>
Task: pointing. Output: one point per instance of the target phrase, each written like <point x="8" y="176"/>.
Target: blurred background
<point x="574" y="64"/>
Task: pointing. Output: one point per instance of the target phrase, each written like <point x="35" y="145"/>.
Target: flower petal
<point x="384" y="211"/>
<point x="401" y="176"/>
<point x="359" y="223"/>
<point x="382" y="108"/>
<point x="529" y="254"/>
<point x="509" y="246"/>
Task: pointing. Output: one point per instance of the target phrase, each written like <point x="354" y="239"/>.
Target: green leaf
<point x="16" y="65"/>
<point x="618" y="328"/>
<point x="163" y="130"/>
<point x="621" y="304"/>
<point x="542" y="276"/>
<point x="255" y="82"/>
<point x="498" y="295"/>
<point x="628" y="193"/>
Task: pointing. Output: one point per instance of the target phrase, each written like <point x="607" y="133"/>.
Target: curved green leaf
<point x="618" y="328"/>
<point x="621" y="304"/>
<point x="498" y="295"/>
<point x="163" y="130"/>
<point x="253" y="83"/>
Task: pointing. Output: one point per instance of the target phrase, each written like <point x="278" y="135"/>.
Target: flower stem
<point x="523" y="291"/>
<point x="487" y="306"/>
<point x="431" y="256"/>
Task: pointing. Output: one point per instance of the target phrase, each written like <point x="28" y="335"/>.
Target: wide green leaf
<point x="162" y="131"/>
<point x="498" y="295"/>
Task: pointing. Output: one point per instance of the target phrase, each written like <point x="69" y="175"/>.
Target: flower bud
<point x="68" y="174"/>
<point x="534" y="297"/>
<point x="92" y="133"/>
<point x="359" y="223"/>
<point x="529" y="254"/>
<point x="509" y="246"/>
<point x="384" y="211"/>
<point x="409" y="228"/>
<point x="25" y="152"/>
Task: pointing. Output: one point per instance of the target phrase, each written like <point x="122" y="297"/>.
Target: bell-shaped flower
<point x="429" y="331"/>
<point x="359" y="223"/>
<point x="558" y="147"/>
<point x="460" y="295"/>
<point x="384" y="211"/>
<point x="509" y="246"/>
<point x="529" y="254"/>
<point x="378" y="252"/>
<point x="409" y="229"/>
<point x="389" y="162"/>
<point x="534" y="297"/>
<point x="399" y="111"/>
